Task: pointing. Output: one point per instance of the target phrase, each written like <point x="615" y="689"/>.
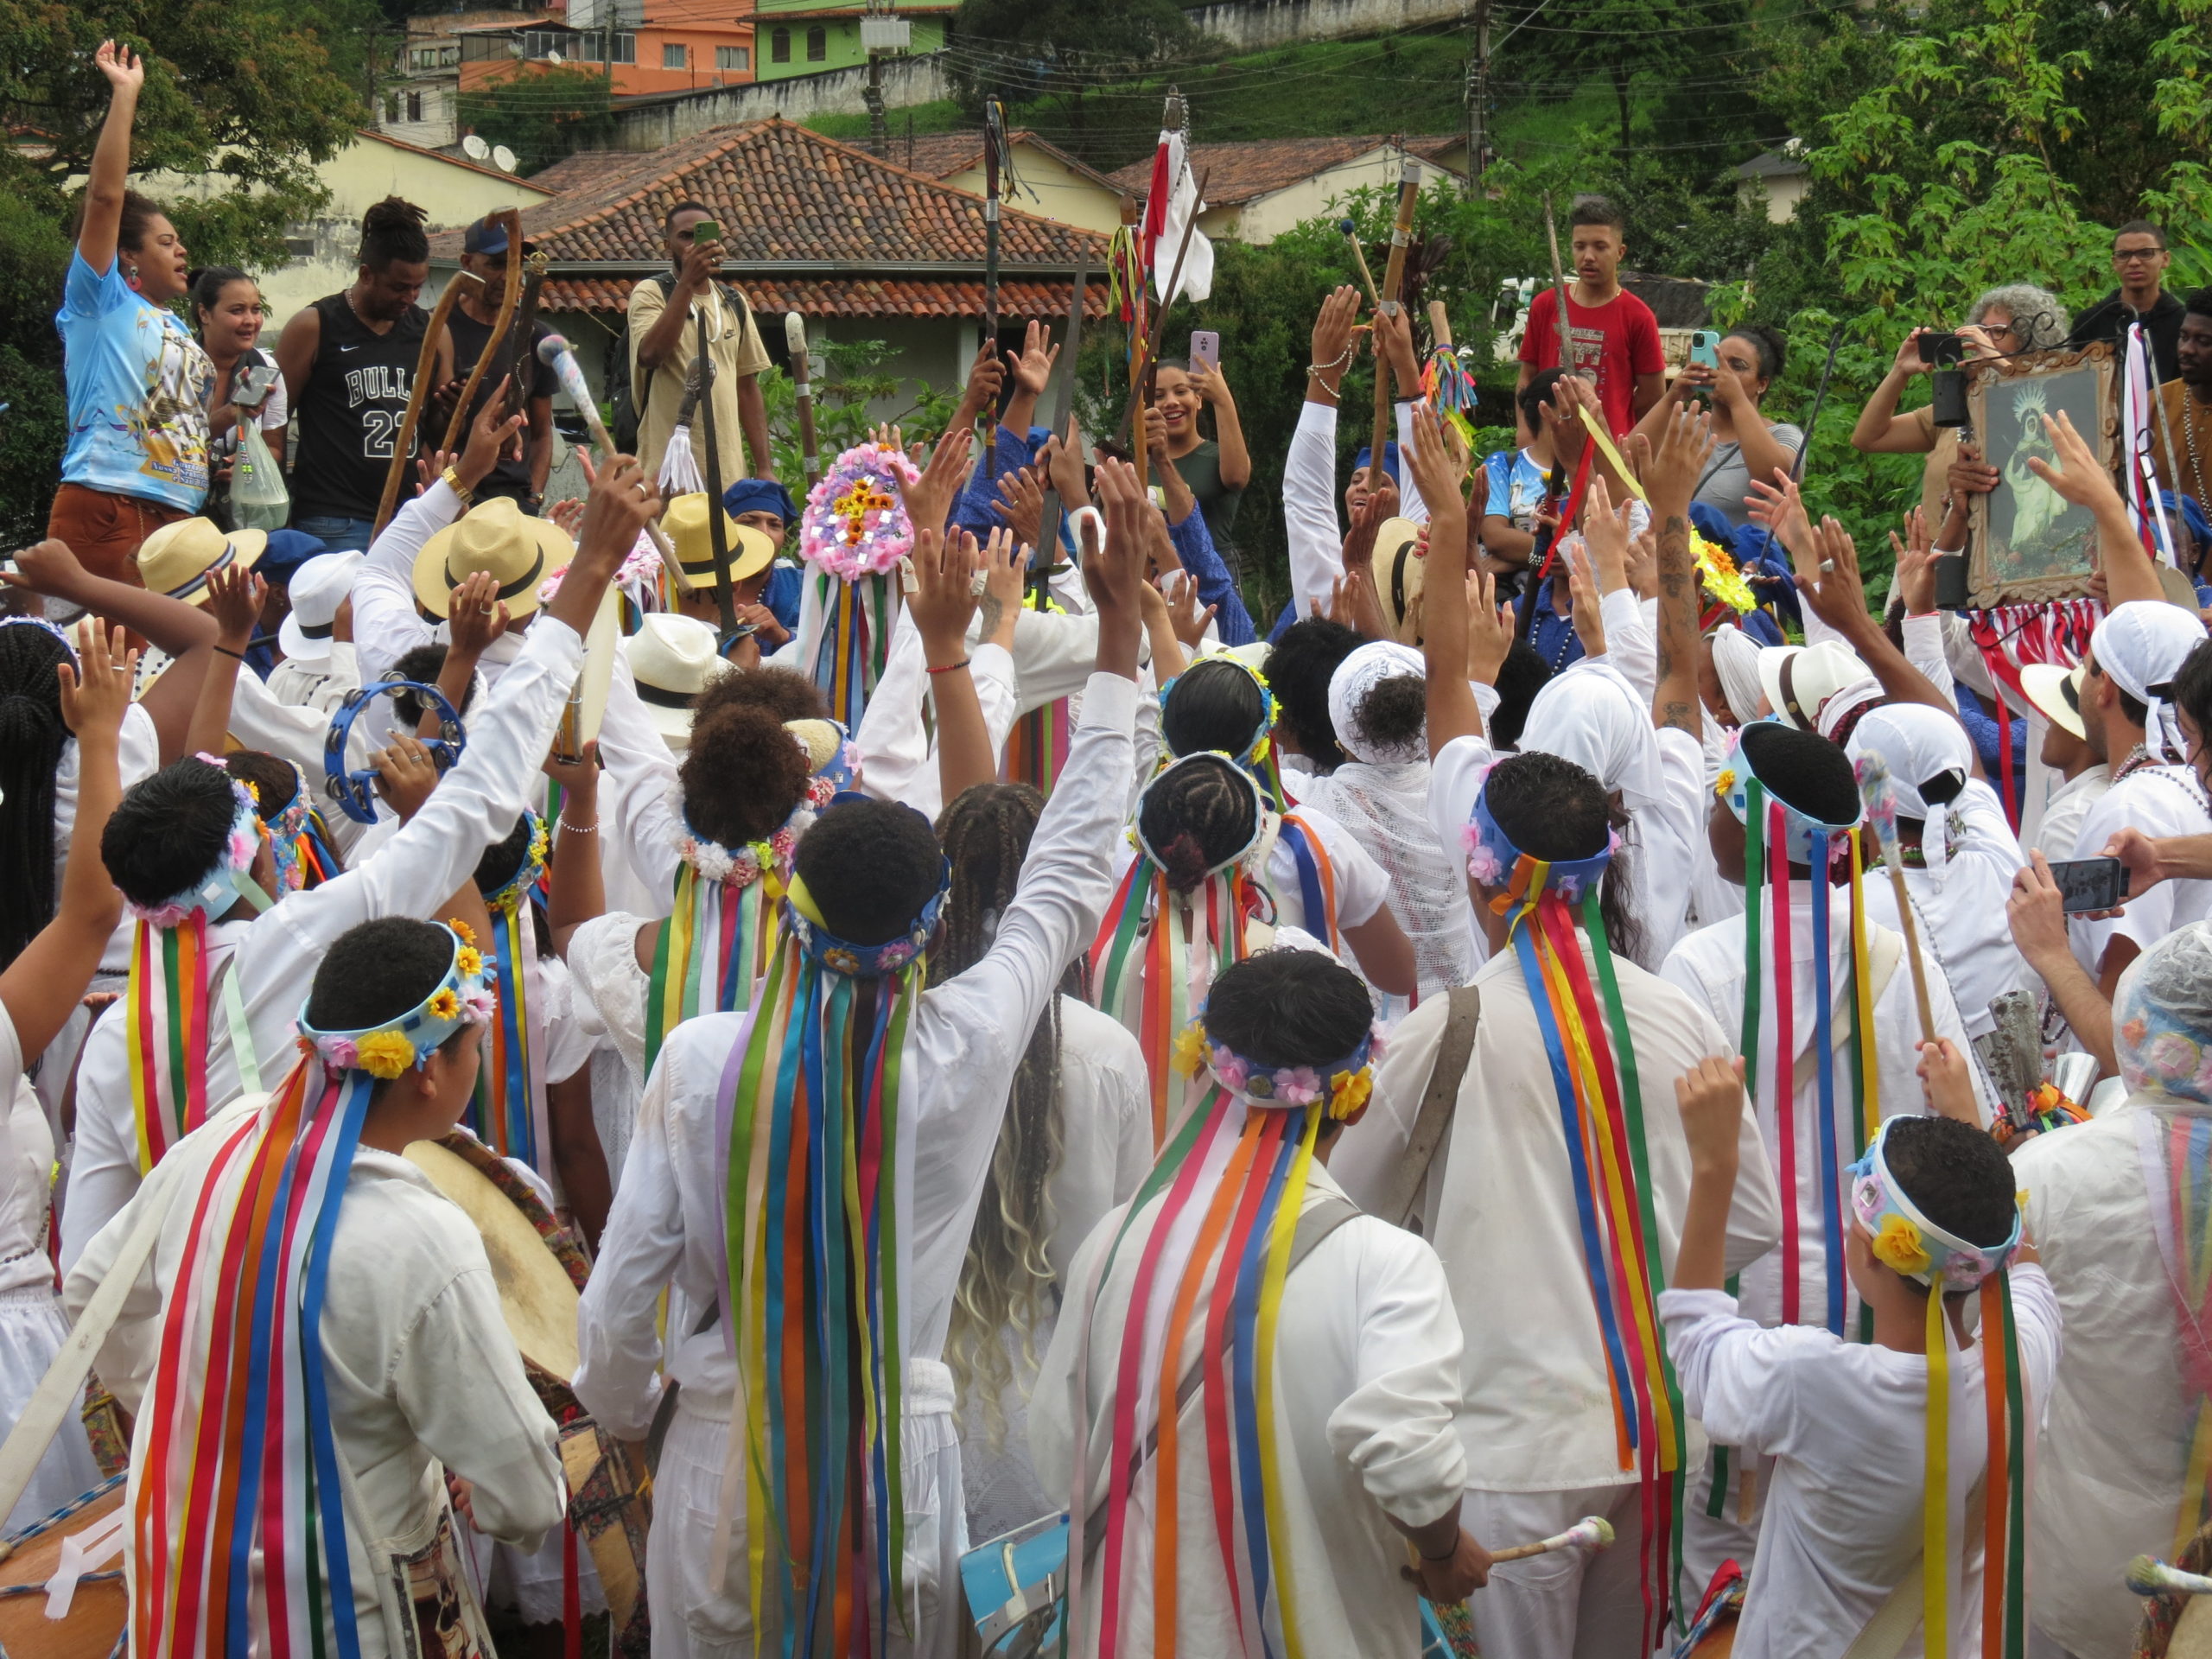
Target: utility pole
<point x="882" y="32"/>
<point x="1478" y="97"/>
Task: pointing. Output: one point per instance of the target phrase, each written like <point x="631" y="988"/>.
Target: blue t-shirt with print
<point x="1516" y="487"/>
<point x="138" y="384"/>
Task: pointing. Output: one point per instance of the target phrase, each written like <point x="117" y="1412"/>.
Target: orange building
<point x="658" y="46"/>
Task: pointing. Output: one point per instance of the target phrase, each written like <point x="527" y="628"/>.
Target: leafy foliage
<point x="542" y="113"/>
<point x="1060" y="50"/>
<point x="843" y="395"/>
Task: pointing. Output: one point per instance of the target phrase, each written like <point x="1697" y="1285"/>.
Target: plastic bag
<point x="259" y="499"/>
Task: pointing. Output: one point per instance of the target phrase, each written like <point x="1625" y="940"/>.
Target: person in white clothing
<point x="2118" y="1206"/>
<point x="1845" y="1537"/>
<point x="1322" y="1346"/>
<point x="930" y="1074"/>
<point x="316" y="636"/>
<point x="1959" y="854"/>
<point x="2057" y="694"/>
<point x="39" y="991"/>
<point x="374" y="1364"/>
<point x="1075" y="1143"/>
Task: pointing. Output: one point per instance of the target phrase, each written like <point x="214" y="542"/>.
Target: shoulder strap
<point x="1411" y="1173"/>
<point x="1884" y="954"/>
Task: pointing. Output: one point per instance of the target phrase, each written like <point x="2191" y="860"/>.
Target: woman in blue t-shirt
<point x="137" y="381"/>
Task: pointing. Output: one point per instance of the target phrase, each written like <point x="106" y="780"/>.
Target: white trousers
<point x="700" y="1612"/>
<point x="1586" y="1604"/>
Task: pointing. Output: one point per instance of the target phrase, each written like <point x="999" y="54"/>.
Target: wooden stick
<point x="1591" y="1532"/>
<point x="1559" y="284"/>
<point x="2150" y="1577"/>
<point x="553" y="350"/>
<point x="1394" y="279"/>
<point x="1351" y="228"/>
<point x="802" y="369"/>
<point x="1142" y="382"/>
<point x="426" y="362"/>
<point x="1912" y="953"/>
<point x="711" y="466"/>
<point x="526" y="324"/>
<point x="1439" y="324"/>
<point x="511" y="218"/>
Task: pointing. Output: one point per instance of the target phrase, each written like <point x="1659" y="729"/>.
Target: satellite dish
<point x="503" y="159"/>
<point x="474" y="148"/>
<point x="552" y="57"/>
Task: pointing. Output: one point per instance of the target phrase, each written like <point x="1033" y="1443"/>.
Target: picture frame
<point x="2029" y="544"/>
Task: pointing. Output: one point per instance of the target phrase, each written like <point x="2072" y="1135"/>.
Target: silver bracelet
<point x="562" y="824"/>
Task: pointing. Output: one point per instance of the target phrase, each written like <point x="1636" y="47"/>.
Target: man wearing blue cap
<point x="763" y="504"/>
<point x="519" y="477"/>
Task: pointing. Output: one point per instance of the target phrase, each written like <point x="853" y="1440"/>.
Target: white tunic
<point x="1960" y="906"/>
<point x="420" y="1366"/>
<point x="1846" y="1424"/>
<point x="1367" y="1386"/>
<point x="2060" y="836"/>
<point x="320" y="683"/>
<point x="1499" y="1204"/>
<point x="1709" y="965"/>
<point x="962" y="1044"/>
<point x="412" y="875"/>
<point x="2158" y="801"/>
<point x="2109" y="1477"/>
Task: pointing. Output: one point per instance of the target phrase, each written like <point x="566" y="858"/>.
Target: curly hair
<point x="32" y="740"/>
<point x="1393" y="714"/>
<point x="1007" y="1283"/>
<point x="784" y="692"/>
<point x="1298" y="671"/>
<point x="2039" y="316"/>
<point x="741" y="776"/>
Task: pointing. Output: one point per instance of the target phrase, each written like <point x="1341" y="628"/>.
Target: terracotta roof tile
<point x="1238" y="173"/>
<point x="589" y="169"/>
<point x="940" y="155"/>
<point x="782" y="193"/>
<point x="849" y="297"/>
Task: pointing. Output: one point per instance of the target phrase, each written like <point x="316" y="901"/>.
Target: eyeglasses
<point x="2128" y="255"/>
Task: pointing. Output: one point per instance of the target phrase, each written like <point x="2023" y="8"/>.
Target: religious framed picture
<point x="2030" y="543"/>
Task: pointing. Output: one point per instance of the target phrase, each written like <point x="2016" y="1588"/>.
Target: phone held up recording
<point x="2089" y="884"/>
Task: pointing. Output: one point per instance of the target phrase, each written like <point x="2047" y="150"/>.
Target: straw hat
<point x="671" y="657"/>
<point x="318" y="588"/>
<point x="497" y="537"/>
<point x="689" y="532"/>
<point x="177" y="559"/>
<point x="2055" y="692"/>
<point x="1399" y="573"/>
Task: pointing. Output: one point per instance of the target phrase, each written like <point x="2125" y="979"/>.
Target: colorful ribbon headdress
<point x="810" y="1122"/>
<point x="165" y="1021"/>
<point x="1903" y="1239"/>
<point x="238" y="1527"/>
<point x="507" y="1112"/>
<point x="853" y="533"/>
<point x="1592" y="1055"/>
<point x="300" y="840"/>
<point x="1239" y="1164"/>
<point x="716" y="942"/>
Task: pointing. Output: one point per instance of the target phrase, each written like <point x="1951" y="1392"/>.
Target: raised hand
<point x="929" y="498"/>
<point x="1832" y="587"/>
<point x="1005" y="566"/>
<point x="1180" y="590"/>
<point x="943" y="600"/>
<point x="1780" y="507"/>
<point x="1439" y="467"/>
<point x="1915" y="564"/>
<point x="1332" y="338"/>
<point x="234" y="596"/>
<point x="490" y="437"/>
<point x="1021" y="504"/>
<point x="49" y="567"/>
<point x="405" y="775"/>
<point x="1063" y="459"/>
<point x="1605" y="532"/>
<point x="122" y="67"/>
<point x="2083" y="481"/>
<point x="985" y="378"/>
<point x="1948" y="1083"/>
<point x="1032" y="369"/>
<point x="475" y="614"/>
<point x="95" y="691"/>
<point x="1710" y="1097"/>
<point x="1113" y="573"/>
<point x="1589" y="614"/>
<point x="1678" y="459"/>
<point x="1489" y="629"/>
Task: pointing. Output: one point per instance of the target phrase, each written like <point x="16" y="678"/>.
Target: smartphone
<point x="705" y="230"/>
<point x="1705" y="348"/>
<point x="252" y="384"/>
<point x="2089" y="883"/>
<point x="1205" y="349"/>
<point x="1936" y="350"/>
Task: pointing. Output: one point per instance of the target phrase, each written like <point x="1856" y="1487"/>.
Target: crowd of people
<point x="1076" y="1116"/>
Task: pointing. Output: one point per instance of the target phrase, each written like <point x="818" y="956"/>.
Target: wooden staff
<point x="426" y="364"/>
<point x="1393" y="278"/>
<point x="1559" y="285"/>
<point x="802" y="369"/>
<point x="717" y="536"/>
<point x="511" y="218"/>
<point x="526" y="324"/>
<point x="1879" y="793"/>
<point x="1591" y="1532"/>
<point x="994" y="140"/>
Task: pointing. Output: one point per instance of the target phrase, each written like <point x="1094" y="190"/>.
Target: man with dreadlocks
<point x="805" y="1176"/>
<point x="1240" y="1313"/>
<point x="1557" y="1147"/>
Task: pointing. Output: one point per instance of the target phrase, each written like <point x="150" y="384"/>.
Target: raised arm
<point x="110" y="168"/>
<point x="1451" y="709"/>
<point x="1832" y="591"/>
<point x="579" y="889"/>
<point x="942" y="604"/>
<point x="1236" y="460"/>
<point x="234" y="598"/>
<point x="1684" y="444"/>
<point x="2129" y="572"/>
<point x="1881" y="430"/>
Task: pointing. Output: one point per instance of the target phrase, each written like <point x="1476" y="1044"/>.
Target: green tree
<point x="1061" y="50"/>
<point x="542" y="114"/>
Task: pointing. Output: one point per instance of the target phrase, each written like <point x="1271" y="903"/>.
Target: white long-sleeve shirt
<point x="898" y="756"/>
<point x="1960" y="907"/>
<point x="1709" y="965"/>
<point x="1367" y="1386"/>
<point x="963" y="1043"/>
<point x="1499" y="1205"/>
<point x="1846" y="1424"/>
<point x="420" y="1367"/>
<point x="276" y="955"/>
<point x="1314" y="532"/>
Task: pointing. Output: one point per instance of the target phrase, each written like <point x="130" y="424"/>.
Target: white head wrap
<point x="2162" y="1017"/>
<point x="1357" y="676"/>
<point x="1591" y="715"/>
<point x="1736" y="660"/>
<point x="2141" y="645"/>
<point x="1919" y="745"/>
<point x="1838" y="714"/>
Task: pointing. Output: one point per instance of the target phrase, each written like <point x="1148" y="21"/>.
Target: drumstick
<point x="426" y="362"/>
<point x="2150" y="1577"/>
<point x="511" y="218"/>
<point x="1591" y="1532"/>
<point x="1879" y="796"/>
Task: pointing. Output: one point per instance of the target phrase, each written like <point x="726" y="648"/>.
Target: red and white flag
<point x="1170" y="204"/>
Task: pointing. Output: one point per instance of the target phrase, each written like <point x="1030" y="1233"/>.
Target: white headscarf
<point x="1736" y="660"/>
<point x="1357" y="676"/>
<point x="1381" y="797"/>
<point x="1591" y="715"/>
<point x="2141" y="646"/>
<point x="1919" y="745"/>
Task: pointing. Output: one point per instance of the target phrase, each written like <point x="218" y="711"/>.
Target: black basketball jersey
<point x="351" y="410"/>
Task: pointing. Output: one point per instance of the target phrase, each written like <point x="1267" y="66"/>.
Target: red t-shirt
<point x="1618" y="339"/>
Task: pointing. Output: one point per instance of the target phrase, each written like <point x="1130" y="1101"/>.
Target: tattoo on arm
<point x="992" y="608"/>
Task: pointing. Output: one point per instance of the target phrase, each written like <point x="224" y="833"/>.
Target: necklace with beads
<point x="2189" y="441"/>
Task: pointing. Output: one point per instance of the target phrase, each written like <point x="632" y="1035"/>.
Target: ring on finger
<point x="1827" y="565"/>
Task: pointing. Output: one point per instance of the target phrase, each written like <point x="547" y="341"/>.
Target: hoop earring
<point x="130" y="277"/>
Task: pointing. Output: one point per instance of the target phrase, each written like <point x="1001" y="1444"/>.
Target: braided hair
<point x="1006" y="1281"/>
<point x="33" y="737"/>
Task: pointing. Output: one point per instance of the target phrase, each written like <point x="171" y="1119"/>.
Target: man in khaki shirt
<point x="664" y="339"/>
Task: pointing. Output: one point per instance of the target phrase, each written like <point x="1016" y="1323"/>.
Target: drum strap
<point x="58" y="1391"/>
<point x="1894" y="1621"/>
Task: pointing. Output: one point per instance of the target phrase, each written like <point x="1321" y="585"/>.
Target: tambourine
<point x="355" y="791"/>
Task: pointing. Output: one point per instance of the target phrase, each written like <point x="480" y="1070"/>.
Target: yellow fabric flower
<point x="467" y="960"/>
<point x="462" y="930"/>
<point x="444" y="1005"/>
<point x="1725" y="785"/>
<point x="1897" y="1246"/>
<point x="1190" y="1049"/>
<point x="1348" y="1092"/>
<point x="384" y="1053"/>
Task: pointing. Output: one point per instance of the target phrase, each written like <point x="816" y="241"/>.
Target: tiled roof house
<point x="1256" y="191"/>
